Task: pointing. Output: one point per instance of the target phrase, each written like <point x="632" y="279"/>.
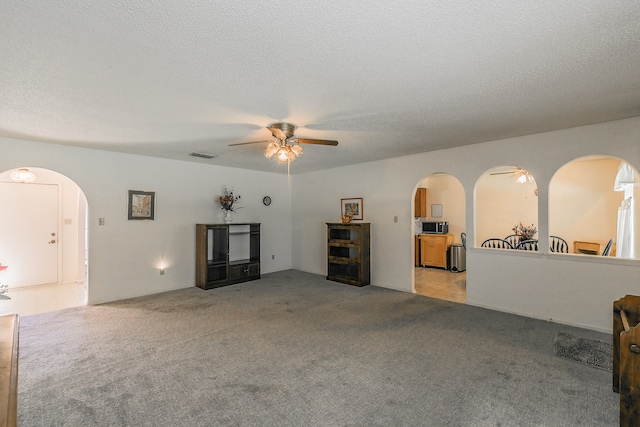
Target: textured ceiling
<point x="169" y="77"/>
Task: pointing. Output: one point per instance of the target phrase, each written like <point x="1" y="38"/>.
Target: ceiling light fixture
<point x="521" y="175"/>
<point x="22" y="175"/>
<point x="286" y="146"/>
<point x="524" y="176"/>
<point x="283" y="151"/>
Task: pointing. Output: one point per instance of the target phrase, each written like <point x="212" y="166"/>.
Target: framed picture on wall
<point x="353" y="207"/>
<point x="142" y="204"/>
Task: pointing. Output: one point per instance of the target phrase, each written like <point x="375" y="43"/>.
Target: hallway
<point x="441" y="284"/>
<point x="41" y="299"/>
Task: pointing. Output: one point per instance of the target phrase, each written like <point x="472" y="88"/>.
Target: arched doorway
<point x="440" y="198"/>
<point x="44" y="244"/>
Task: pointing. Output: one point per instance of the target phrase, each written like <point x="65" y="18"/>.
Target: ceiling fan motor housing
<point x="282" y="130"/>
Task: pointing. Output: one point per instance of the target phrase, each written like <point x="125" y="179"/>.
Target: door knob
<point x="52" y="241"/>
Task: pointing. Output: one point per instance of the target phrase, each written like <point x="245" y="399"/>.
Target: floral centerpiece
<point x="525" y="232"/>
<point x="227" y="202"/>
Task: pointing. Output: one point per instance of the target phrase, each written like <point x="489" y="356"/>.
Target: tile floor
<point x="43" y="298"/>
<point x="441" y="284"/>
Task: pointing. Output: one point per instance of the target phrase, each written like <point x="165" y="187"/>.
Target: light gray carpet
<point x="294" y="349"/>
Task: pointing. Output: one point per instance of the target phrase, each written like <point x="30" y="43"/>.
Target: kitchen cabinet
<point x="420" y="209"/>
<point x="434" y="249"/>
<point x="417" y="250"/>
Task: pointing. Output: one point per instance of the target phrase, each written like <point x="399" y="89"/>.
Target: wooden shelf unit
<point x="227" y="254"/>
<point x="348" y="253"/>
<point x="9" y="343"/>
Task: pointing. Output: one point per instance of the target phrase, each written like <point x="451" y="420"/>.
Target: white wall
<point x="570" y="289"/>
<point x="124" y="255"/>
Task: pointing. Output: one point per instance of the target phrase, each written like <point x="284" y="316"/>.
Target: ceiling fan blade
<point x="247" y="143"/>
<point x="502" y="173"/>
<point x="316" y="141"/>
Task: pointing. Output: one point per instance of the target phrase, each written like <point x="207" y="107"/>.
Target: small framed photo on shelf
<point x="142" y="204"/>
<point x="353" y="207"/>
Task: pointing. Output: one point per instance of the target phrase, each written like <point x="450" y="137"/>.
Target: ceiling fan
<point x="286" y="146"/>
<point x="521" y="175"/>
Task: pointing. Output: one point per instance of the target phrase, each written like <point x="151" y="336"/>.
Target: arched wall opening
<point x="44" y="233"/>
<point x="592" y="200"/>
<point x="440" y="197"/>
<point x="506" y="201"/>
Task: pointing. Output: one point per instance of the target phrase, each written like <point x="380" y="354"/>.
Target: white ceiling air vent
<point x="203" y="155"/>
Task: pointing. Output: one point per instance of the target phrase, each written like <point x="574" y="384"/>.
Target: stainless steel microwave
<point x="435" y="227"/>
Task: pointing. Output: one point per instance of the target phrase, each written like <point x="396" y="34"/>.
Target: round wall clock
<point x="266" y="200"/>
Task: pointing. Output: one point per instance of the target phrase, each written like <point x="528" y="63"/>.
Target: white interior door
<point x="29" y="234"/>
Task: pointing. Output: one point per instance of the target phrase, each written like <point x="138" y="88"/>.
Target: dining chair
<point x="496" y="243"/>
<point x="513" y="239"/>
<point x="528" y="245"/>
<point x="607" y="249"/>
<point x="558" y="244"/>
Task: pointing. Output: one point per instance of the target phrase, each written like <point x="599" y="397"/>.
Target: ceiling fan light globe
<point x="290" y="155"/>
<point x="271" y="149"/>
<point x="283" y="154"/>
<point x="297" y="150"/>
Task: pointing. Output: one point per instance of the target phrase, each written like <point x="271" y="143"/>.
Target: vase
<point x="227" y="217"/>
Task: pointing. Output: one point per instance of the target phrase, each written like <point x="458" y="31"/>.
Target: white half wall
<point x="576" y="290"/>
<point x="124" y="255"/>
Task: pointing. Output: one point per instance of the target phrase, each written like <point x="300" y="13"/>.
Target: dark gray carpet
<point x="294" y="349"/>
<point x="591" y="352"/>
